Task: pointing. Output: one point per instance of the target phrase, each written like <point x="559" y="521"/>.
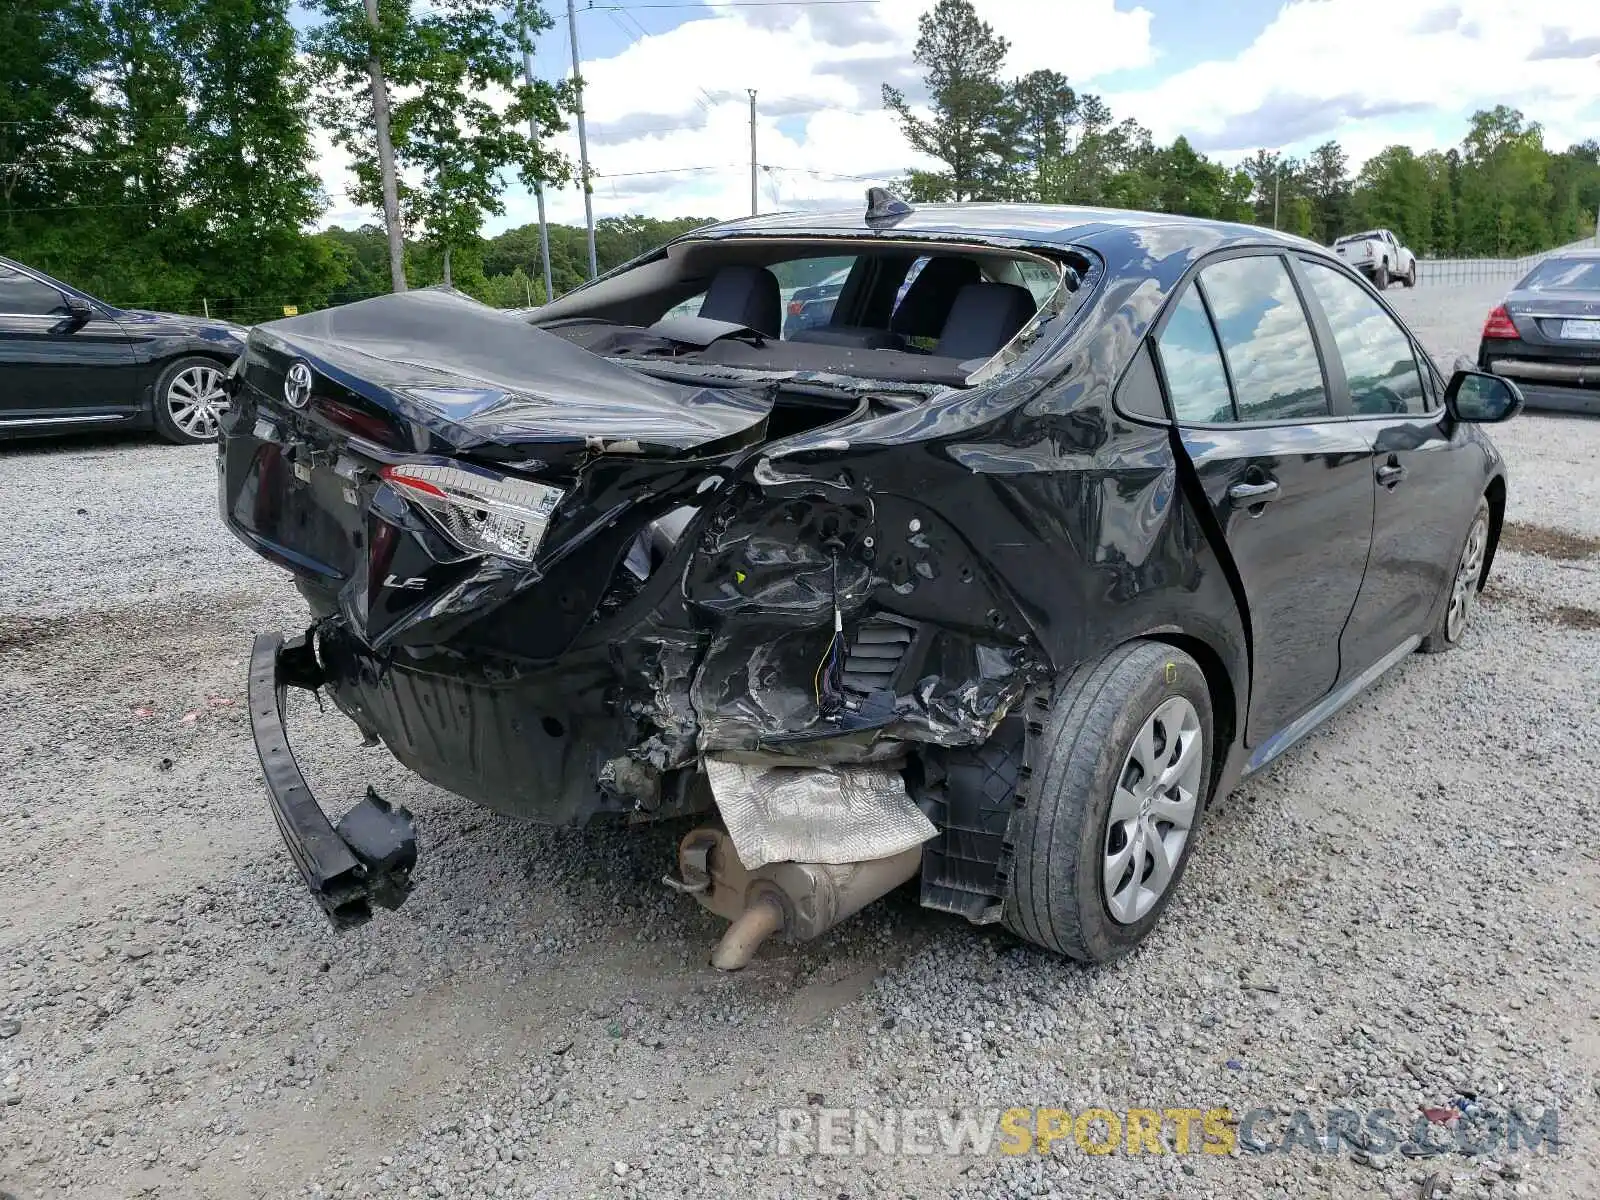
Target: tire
<point x="1410" y="279"/>
<point x="1065" y="842"/>
<point x="1464" y="586"/>
<point x="1380" y="275"/>
<point x="189" y="400"/>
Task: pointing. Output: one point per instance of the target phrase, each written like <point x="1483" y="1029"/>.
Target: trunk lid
<point x="327" y="408"/>
<point x="471" y="377"/>
<point x="1557" y="318"/>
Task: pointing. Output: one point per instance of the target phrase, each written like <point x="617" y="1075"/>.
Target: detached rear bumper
<point x="368" y="858"/>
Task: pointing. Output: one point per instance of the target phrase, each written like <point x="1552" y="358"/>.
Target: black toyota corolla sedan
<point x="994" y="583"/>
<point x="69" y="361"/>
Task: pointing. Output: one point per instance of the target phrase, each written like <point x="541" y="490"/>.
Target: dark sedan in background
<point x="69" y="361"/>
<point x="1546" y="335"/>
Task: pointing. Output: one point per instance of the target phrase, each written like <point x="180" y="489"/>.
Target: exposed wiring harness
<point x="827" y="681"/>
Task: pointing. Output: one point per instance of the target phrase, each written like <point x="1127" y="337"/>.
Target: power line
<point x="663" y="171"/>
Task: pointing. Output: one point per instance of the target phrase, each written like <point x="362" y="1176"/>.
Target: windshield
<point x="1356" y="237"/>
<point x="1563" y="275"/>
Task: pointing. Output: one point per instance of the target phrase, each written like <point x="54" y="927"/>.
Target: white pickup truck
<point x="1378" y="255"/>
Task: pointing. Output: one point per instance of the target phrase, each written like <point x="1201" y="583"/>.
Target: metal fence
<point x="1472" y="270"/>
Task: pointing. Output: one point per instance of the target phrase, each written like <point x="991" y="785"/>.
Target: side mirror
<point x="1481" y="397"/>
<point x="82" y="312"/>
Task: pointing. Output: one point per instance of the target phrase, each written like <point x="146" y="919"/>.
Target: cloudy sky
<point x="668" y="110"/>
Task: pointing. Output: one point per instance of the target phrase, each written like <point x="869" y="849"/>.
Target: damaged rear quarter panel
<point x="977" y="543"/>
<point x="1017" y="529"/>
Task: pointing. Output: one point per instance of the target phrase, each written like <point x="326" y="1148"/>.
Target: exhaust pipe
<point x="797" y="900"/>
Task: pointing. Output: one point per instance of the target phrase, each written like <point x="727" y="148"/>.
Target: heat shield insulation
<point x="823" y="814"/>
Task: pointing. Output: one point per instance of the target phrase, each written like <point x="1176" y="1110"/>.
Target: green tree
<point x="961" y="57"/>
<point x="48" y="109"/>
<point x="1264" y="169"/>
<point x="1040" y="125"/>
<point x="248" y="189"/>
<point x="1443" y="170"/>
<point x="1505" y="189"/>
<point x="1187" y="182"/>
<point x="1327" y="180"/>
<point x="445" y="64"/>
<point x="1394" y="192"/>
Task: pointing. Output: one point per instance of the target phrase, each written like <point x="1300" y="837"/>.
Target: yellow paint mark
<point x="1172" y="672"/>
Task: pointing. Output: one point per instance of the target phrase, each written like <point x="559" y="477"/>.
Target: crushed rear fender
<point x="869" y="589"/>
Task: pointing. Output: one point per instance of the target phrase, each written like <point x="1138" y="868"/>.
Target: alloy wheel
<point x="195" y="400"/>
<point x="1152" y="810"/>
<point x="1464" y="591"/>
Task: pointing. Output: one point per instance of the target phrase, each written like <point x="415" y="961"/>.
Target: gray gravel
<point x="1401" y="913"/>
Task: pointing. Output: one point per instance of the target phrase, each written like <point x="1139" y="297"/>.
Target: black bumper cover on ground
<point x="369" y="857"/>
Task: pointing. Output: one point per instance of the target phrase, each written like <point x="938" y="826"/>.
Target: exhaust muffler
<point x="793" y="899"/>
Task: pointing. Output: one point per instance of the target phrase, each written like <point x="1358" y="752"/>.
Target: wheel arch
<point x="1495" y="494"/>
<point x="158" y="365"/>
<point x="1219" y="682"/>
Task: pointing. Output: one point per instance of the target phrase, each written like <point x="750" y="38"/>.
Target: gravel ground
<point x="1401" y="913"/>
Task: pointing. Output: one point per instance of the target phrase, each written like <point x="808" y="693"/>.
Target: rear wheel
<point x="1380" y="277"/>
<point x="1464" y="586"/>
<point x="1122" y="777"/>
<point x="189" y="400"/>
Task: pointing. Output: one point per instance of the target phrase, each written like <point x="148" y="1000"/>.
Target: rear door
<point x="1290" y="485"/>
<point x="52" y="367"/>
<point x="1424" y="493"/>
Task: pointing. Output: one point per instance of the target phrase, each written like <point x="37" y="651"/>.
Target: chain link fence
<point x="1447" y="271"/>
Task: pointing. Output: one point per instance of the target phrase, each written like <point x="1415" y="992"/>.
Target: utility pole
<point x="755" y="206"/>
<point x="583" y="135"/>
<point x="538" y="186"/>
<point x="391" y="190"/>
<point x="1277" y="179"/>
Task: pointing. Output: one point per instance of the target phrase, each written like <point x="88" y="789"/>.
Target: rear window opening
<point x="874" y="309"/>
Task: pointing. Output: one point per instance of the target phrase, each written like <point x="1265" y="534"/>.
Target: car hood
<point x="471" y="376"/>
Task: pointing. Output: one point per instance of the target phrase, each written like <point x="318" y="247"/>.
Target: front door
<point x="1423" y="500"/>
<point x="55" y="366"/>
<point x="1290" y="486"/>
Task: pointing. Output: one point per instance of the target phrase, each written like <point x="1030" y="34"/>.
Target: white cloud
<point x="1369" y="72"/>
<point x="1359" y="70"/>
<point x="820" y="66"/>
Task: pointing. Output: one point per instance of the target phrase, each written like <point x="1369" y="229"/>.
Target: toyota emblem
<point x="297" y="385"/>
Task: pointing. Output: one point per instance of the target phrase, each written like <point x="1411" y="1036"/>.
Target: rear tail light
<point x="477" y="509"/>
<point x="796" y="307"/>
<point x="1500" y="325"/>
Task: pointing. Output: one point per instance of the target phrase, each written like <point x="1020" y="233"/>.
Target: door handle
<point x="1390" y="474"/>
<point x="1254" y="493"/>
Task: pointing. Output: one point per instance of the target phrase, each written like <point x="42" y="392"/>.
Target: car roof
<point x="1044" y="225"/>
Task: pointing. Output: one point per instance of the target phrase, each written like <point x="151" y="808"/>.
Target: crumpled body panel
<point x="888" y="583"/>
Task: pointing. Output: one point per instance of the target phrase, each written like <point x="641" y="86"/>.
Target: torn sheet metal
<point x="824" y="814"/>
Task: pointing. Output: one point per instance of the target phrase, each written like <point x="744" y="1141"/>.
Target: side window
<point x="1139" y="393"/>
<point x="1266" y="339"/>
<point x="1378" y="357"/>
<point x="1196" y="381"/>
<point x="23" y="295"/>
<point x="1039" y="279"/>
